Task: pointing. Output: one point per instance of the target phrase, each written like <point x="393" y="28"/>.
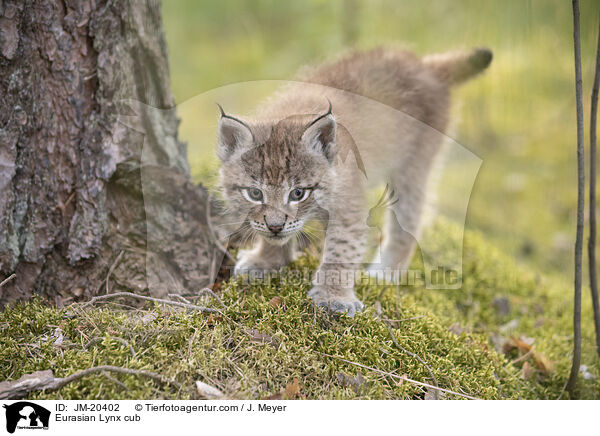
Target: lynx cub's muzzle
<point x="275" y="227"/>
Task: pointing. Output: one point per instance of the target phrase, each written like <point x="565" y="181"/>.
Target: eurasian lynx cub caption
<point x="309" y="153"/>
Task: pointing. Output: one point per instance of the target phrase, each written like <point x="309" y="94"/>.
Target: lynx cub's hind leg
<point x="404" y="218"/>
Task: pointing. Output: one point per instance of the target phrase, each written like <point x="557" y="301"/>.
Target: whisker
<point x="310" y="237"/>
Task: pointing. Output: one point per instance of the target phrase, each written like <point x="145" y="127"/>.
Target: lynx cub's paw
<point x="347" y="304"/>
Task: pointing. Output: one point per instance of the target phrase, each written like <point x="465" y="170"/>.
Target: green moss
<point x="256" y="348"/>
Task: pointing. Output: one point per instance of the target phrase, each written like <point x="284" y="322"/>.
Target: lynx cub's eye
<point x="299" y="194"/>
<point x="253" y="195"/>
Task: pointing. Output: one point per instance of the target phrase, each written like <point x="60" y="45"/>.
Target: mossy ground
<point x="258" y="347"/>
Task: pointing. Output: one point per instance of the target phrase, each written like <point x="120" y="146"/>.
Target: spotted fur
<point x="387" y="114"/>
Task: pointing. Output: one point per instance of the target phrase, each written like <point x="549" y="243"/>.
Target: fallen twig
<point x="8" y="279"/>
<point x="406" y="379"/>
<point x="180" y="298"/>
<point x="145" y="298"/>
<point x="410" y="353"/>
<point x="45" y="380"/>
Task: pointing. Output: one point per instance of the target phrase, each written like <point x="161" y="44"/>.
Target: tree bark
<point x="72" y="202"/>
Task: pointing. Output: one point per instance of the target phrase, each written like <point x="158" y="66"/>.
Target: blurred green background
<point x="519" y="118"/>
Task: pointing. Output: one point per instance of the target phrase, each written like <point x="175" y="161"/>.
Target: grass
<point x="270" y="335"/>
<point x="518" y="118"/>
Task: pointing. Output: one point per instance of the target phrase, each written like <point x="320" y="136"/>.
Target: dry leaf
<point x="58" y="337"/>
<point x="520" y="344"/>
<point x="208" y="391"/>
<point x="527" y="353"/>
<point x="527" y="340"/>
<point x="545" y="365"/>
<point x="213" y="319"/>
<point x="263" y="338"/>
<point x="275" y="302"/>
<point x="527" y="371"/>
<point x="523" y="346"/>
<point x="292" y="390"/>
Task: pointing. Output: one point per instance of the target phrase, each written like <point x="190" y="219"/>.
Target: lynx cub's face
<point x="274" y="173"/>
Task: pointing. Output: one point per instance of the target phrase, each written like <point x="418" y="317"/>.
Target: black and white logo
<point x="26" y="415"/>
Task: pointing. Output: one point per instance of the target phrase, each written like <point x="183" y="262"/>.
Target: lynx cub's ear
<point x="233" y="133"/>
<point x="320" y="135"/>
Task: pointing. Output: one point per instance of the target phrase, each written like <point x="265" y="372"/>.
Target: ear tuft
<point x="320" y="135"/>
<point x="232" y="134"/>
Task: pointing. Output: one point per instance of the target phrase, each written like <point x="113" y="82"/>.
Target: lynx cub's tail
<point x="457" y="67"/>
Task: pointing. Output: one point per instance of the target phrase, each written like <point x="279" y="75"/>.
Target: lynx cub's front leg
<point x="345" y="244"/>
<point x="264" y="257"/>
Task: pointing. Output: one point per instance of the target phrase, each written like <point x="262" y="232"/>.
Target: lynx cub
<point x="309" y="152"/>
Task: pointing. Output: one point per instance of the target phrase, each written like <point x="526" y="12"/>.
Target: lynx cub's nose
<point x="274" y="227"/>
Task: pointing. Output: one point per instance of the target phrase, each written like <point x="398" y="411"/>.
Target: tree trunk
<point x="74" y="214"/>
